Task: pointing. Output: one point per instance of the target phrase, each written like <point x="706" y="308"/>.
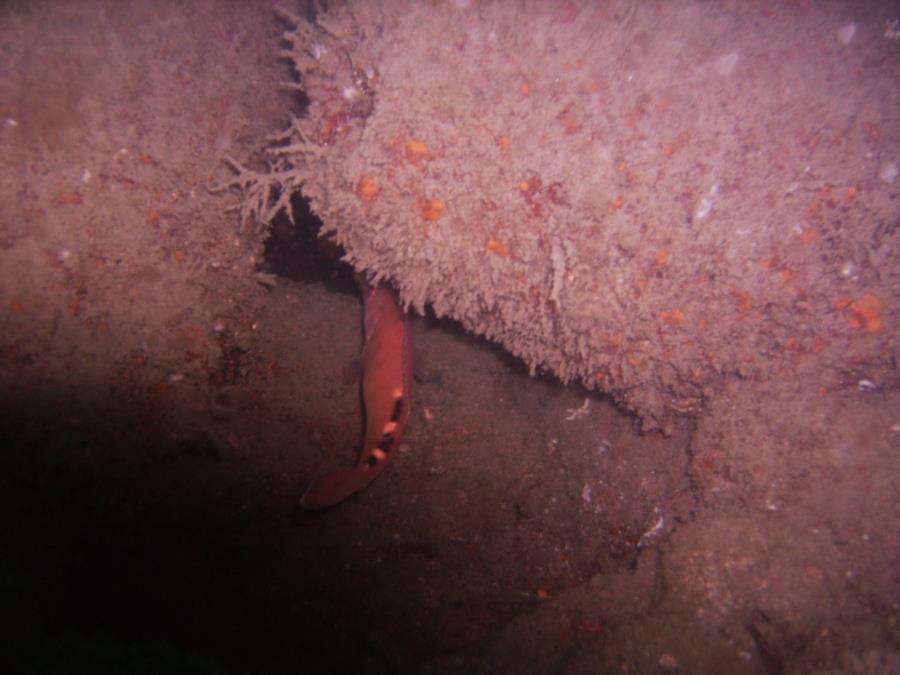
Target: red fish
<point x="387" y="386"/>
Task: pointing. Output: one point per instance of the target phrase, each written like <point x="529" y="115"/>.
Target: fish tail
<point x="336" y="486"/>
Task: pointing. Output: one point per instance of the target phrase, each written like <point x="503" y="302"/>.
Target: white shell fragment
<point x="845" y="34"/>
<point x="704" y="207"/>
<point x="655" y="529"/>
<point x="868" y="386"/>
<point x="586" y="494"/>
<point x="579" y="411"/>
<point x="725" y="66"/>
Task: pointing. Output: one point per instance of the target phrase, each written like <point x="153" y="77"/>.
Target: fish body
<point x="386" y="387"/>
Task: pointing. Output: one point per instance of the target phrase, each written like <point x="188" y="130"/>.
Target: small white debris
<point x="654" y="530"/>
<point x="86" y="176"/>
<point x="892" y="29"/>
<point x="579" y="412"/>
<point x="10" y="122"/>
<point x="888" y="172"/>
<point x="704" y="207"/>
<point x="868" y="386"/>
<point x="668" y="663"/>
<point x="586" y="494"/>
<point x="176" y="377"/>
<point x="845" y="34"/>
<point x="848" y="271"/>
<point x="725" y="66"/>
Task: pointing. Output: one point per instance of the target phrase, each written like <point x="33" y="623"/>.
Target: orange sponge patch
<point x="417" y="150"/>
<point x="866" y="313"/>
<point x="433" y="208"/>
<point x="673" y="317"/>
<point x="367" y="188"/>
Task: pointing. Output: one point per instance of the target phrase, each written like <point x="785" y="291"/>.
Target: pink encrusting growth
<point x="387" y="386"/>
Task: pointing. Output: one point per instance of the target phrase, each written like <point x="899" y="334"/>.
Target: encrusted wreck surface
<point x="530" y="171"/>
<point x="169" y="387"/>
